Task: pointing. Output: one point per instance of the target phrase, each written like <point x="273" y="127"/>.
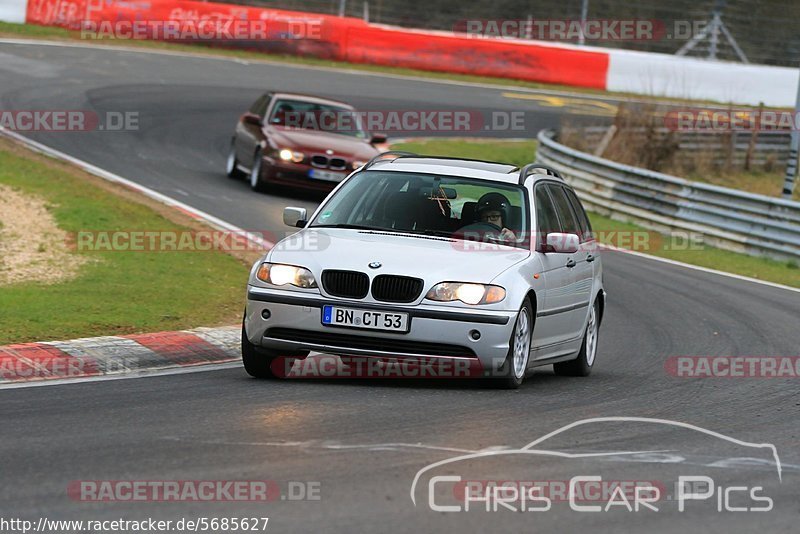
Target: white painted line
<point x="155" y="195"/>
<point x="203" y="368"/>
<point x="702" y="269"/>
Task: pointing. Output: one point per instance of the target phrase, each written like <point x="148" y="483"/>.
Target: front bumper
<point x="295" y="323"/>
<point x="289" y="173"/>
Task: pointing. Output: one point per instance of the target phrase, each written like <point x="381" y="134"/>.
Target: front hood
<point x="432" y="259"/>
<point x="316" y="141"/>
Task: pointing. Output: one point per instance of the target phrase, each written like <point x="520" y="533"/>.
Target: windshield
<point x="320" y="117"/>
<point x="445" y="206"/>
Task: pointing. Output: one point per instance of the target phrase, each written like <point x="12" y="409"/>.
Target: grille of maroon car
<point x="337" y="164"/>
<point x="391" y="288"/>
<point x="324" y="162"/>
<point x="346" y="284"/>
<point x="384" y="344"/>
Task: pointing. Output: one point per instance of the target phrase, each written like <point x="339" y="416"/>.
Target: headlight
<point x="466" y="293"/>
<point x="279" y="275"/>
<point x="358" y="164"/>
<point x="288" y="155"/>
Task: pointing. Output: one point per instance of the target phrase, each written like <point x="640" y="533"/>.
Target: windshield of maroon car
<point x="429" y="204"/>
<point x="320" y="117"/>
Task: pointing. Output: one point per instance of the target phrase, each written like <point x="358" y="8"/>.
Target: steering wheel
<point x="480" y="226"/>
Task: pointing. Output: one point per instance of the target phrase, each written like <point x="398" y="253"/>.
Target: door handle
<point x="590" y="258"/>
<point x="571" y="263"/>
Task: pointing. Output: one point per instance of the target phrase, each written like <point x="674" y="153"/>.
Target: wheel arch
<point x="601" y="305"/>
<point x="531" y="296"/>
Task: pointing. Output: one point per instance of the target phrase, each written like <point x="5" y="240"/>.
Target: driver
<point x="492" y="208"/>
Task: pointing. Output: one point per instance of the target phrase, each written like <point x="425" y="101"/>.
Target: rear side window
<point x="569" y="222"/>
<point x="583" y="219"/>
<point x="546" y="218"/>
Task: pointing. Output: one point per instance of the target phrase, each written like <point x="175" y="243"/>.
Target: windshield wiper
<point x="348" y="226"/>
<point x="437" y="233"/>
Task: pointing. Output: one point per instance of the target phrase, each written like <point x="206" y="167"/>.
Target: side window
<point x="569" y="223"/>
<point x="546" y="218"/>
<point x="583" y="219"/>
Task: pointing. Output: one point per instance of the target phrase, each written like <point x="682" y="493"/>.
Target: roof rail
<point x="528" y="169"/>
<point x="382" y="156"/>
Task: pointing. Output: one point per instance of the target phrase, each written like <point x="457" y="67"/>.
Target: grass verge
<point x="756" y="181"/>
<point x="521" y="152"/>
<point x="515" y="152"/>
<point x="116" y="292"/>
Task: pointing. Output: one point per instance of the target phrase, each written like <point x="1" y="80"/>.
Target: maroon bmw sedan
<point x="299" y="141"/>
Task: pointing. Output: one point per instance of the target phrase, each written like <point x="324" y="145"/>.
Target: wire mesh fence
<point x="763" y="31"/>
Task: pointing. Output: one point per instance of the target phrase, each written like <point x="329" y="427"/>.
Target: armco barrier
<point x="727" y="218"/>
<point x="351" y="39"/>
<point x="326" y="41"/>
<point x="691" y="78"/>
<point x="502" y="58"/>
<point x="13" y="11"/>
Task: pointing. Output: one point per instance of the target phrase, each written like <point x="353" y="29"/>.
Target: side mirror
<point x="296" y="217"/>
<point x="255" y="120"/>
<point x="562" y="243"/>
<point x="378" y="139"/>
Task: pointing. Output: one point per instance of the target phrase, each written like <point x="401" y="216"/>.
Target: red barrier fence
<point x="344" y="38"/>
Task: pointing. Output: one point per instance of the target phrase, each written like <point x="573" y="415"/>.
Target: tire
<point x="258" y="361"/>
<point x="258" y="364"/>
<point x="256" y="184"/>
<point x="231" y="169"/>
<point x="587" y="355"/>
<point x="512" y="373"/>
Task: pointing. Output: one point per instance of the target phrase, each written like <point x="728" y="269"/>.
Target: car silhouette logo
<point x="375" y="265"/>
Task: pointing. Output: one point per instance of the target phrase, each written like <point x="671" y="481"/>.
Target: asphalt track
<point x="364" y="442"/>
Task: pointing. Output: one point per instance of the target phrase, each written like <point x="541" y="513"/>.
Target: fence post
<point x="791" y="163"/>
<point x="751" y="148"/>
<point x="584" y="13"/>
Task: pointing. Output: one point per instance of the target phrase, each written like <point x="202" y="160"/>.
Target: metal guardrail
<point x="727" y="218"/>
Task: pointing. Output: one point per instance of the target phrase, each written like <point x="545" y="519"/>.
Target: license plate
<point x="367" y="319"/>
<point x="326" y="175"/>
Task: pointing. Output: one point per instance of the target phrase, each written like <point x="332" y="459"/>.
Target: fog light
<point x="475" y="335"/>
<point x="266" y="314"/>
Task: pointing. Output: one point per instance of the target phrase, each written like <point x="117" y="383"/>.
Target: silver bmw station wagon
<point x="420" y="257"/>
